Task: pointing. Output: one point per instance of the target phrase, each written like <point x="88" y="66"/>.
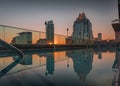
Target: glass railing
<point x="14" y="35"/>
<point x="31" y="60"/>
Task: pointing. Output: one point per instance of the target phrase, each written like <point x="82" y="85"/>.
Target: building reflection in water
<point x="99" y="55"/>
<point x="27" y="60"/>
<point x="99" y="52"/>
<point x="116" y="67"/>
<point x="49" y="64"/>
<point x="116" y="63"/>
<point x="82" y="62"/>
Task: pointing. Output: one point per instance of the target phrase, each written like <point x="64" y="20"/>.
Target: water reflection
<point x="41" y="67"/>
<point x="27" y="60"/>
<point x="116" y="68"/>
<point x="10" y="66"/>
<point x="49" y="63"/>
<point x="82" y="62"/>
<point x="116" y="63"/>
<point x="100" y="55"/>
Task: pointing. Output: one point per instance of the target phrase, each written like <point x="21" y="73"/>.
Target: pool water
<point x="83" y="67"/>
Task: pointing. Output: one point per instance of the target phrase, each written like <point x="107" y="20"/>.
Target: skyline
<point x="32" y="14"/>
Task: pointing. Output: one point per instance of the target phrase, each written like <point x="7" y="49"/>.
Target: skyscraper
<point x="82" y="29"/>
<point x="50" y="31"/>
<point x="49" y="34"/>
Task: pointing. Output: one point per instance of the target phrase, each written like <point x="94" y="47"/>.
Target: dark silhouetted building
<point x="23" y="38"/>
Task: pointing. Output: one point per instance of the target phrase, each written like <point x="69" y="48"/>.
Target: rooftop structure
<point x="23" y="38"/>
<point x="116" y="25"/>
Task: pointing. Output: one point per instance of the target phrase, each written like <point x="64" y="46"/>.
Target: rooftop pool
<point x="82" y="67"/>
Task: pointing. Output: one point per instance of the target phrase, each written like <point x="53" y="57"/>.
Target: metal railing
<point x="13" y="64"/>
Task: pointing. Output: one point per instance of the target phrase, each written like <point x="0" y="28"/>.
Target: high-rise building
<point x="99" y="36"/>
<point x="49" y="34"/>
<point x="82" y="29"/>
<point x="116" y="25"/>
<point x="23" y="38"/>
<point x="50" y="31"/>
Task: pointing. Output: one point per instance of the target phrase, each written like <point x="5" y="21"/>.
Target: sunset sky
<point x="32" y="14"/>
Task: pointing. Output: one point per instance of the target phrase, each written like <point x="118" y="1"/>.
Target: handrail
<point x="12" y="65"/>
<point x="11" y="47"/>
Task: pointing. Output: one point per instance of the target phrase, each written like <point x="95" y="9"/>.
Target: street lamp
<point x="67" y="31"/>
<point x="67" y="36"/>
